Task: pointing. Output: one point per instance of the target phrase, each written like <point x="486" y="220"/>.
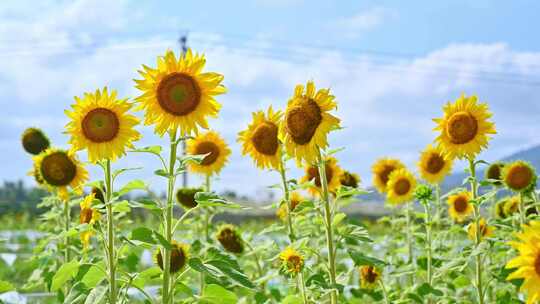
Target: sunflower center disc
<point x="302" y="121"/>
<point x="434" y="164"/>
<point x="313" y="173"/>
<point x="205" y="148"/>
<point x="57" y="169"/>
<point x="100" y="125"/>
<point x="230" y="241"/>
<point x="460" y="205"/>
<point x="494" y="172"/>
<point x="265" y="138"/>
<point x="178" y="259"/>
<point x="385" y="173"/>
<point x="294" y="262"/>
<point x="462" y="128"/>
<point x="86" y="215"/>
<point x="178" y="94"/>
<point x="519" y="177"/>
<point x="402" y="186"/>
<point x="370" y="275"/>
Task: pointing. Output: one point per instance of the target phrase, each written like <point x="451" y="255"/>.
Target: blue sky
<point x="391" y="65"/>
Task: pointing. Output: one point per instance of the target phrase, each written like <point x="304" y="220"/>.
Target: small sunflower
<point x="519" y="176"/>
<point x="295" y="198"/>
<point x="349" y="179"/>
<point x="230" y="239"/>
<point x="401" y="186"/>
<point x="292" y="261"/>
<point x="494" y="171"/>
<point x="433" y="166"/>
<point x="486" y="231"/>
<point x="465" y="128"/>
<point x="459" y="206"/>
<point x="34" y="141"/>
<point x="333" y="176"/>
<point x="88" y="215"/>
<point x="307" y="122"/>
<point x="260" y="139"/>
<point x="100" y="123"/>
<point x="527" y="264"/>
<point x="98" y="193"/>
<point x="369" y="276"/>
<point x="381" y="170"/>
<point x="177" y="94"/>
<point x="499" y="208"/>
<point x="186" y="197"/>
<point x="61" y="169"/>
<point x="179" y="257"/>
<point x="212" y="144"/>
<point x="511" y="205"/>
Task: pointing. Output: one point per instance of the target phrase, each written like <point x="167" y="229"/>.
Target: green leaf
<point x="123" y="170"/>
<point x="136" y="184"/>
<point x="162" y="240"/>
<point x="186" y="159"/>
<point x="292" y="299"/>
<point x="360" y="259"/>
<point x="338" y="218"/>
<point x="355" y="232"/>
<point x="94" y="275"/>
<point x="215" y="294"/>
<point x="426" y="289"/>
<point x="144" y="235"/>
<point x="96" y="295"/>
<point x="6" y="286"/>
<point x="210" y="199"/>
<point x="64" y="274"/>
<point x="234" y="274"/>
<point x="162" y="173"/>
<point x="121" y="206"/>
<point x="147" y="275"/>
<point x="146" y="204"/>
<point x="156" y="150"/>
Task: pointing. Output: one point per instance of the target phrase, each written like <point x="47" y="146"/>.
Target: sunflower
<point x="369" y="276"/>
<point x="333" y="175"/>
<point x="381" y="170"/>
<point x="101" y="124"/>
<point x="292" y="261"/>
<point x="186" y="197"/>
<point x="34" y="141"/>
<point x="88" y="216"/>
<point x="349" y="179"/>
<point x="499" y="208"/>
<point x="260" y="139"/>
<point x="59" y="170"/>
<point x="230" y="239"/>
<point x="486" y="231"/>
<point x="494" y="171"/>
<point x="295" y="198"/>
<point x="177" y="94"/>
<point x="519" y="176"/>
<point x="465" y="128"/>
<point x="527" y="264"/>
<point x="459" y="206"/>
<point x="307" y="122"/>
<point x="179" y="257"/>
<point x="401" y="186"/>
<point x="433" y="166"/>
<point x="212" y="144"/>
<point x="98" y="192"/>
<point x="511" y="205"/>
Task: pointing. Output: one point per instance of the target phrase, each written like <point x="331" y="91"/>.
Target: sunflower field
<point x="477" y="243"/>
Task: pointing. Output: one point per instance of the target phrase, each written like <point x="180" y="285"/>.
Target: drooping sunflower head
<point x="88" y="215"/>
<point x="459" y="206"/>
<point x="34" y="141"/>
<point x="186" y="197"/>
<point x="333" y="175"/>
<point x="494" y="171"/>
<point x="381" y="170"/>
<point x="296" y="198"/>
<point x="511" y="205"/>
<point x="260" y="140"/>
<point x="499" y="208"/>
<point x="61" y="169"/>
<point x="100" y="123"/>
<point x="177" y="94"/>
<point x="230" y="239"/>
<point x="465" y="128"/>
<point x="401" y="186"/>
<point x="292" y="262"/>
<point x="369" y="276"/>
<point x="98" y="192"/>
<point x="307" y="122"/>
<point x="349" y="179"/>
<point x="433" y="166"/>
<point x="519" y="176"/>
<point x="214" y="147"/>
<point x="485" y="230"/>
<point x="179" y="257"/>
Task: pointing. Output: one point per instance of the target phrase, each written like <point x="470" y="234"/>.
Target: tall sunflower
<point x="519" y="176"/>
<point x="381" y="170"/>
<point x="212" y="144"/>
<point x="459" y="206"/>
<point x="88" y="215"/>
<point x="260" y="139"/>
<point x="400" y="187"/>
<point x="59" y="169"/>
<point x="465" y="128"/>
<point x="307" y="122"/>
<point x="333" y="176"/>
<point x="527" y="264"/>
<point x="100" y="123"/>
<point x="433" y="166"/>
<point x="177" y="94"/>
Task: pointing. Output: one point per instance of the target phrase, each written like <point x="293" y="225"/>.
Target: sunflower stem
<point x="287" y="199"/>
<point x="166" y="253"/>
<point x="66" y="228"/>
<point x="385" y="293"/>
<point x="409" y="237"/>
<point x="428" y="224"/>
<point x="110" y="234"/>
<point x="522" y="214"/>
<point x="328" y="226"/>
<point x="303" y="293"/>
<point x="478" y="234"/>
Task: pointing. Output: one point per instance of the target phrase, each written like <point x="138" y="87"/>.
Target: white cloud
<point x="366" y="20"/>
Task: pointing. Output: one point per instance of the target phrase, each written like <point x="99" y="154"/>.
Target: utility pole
<point x="183" y="48"/>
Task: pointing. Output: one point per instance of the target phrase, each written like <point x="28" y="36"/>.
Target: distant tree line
<point x="15" y="197"/>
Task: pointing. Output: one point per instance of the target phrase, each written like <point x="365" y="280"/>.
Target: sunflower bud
<point x="34" y="141"/>
<point x="179" y="256"/>
<point x="350" y="179"/>
<point x="493" y="172"/>
<point x="186" y="197"/>
<point x="230" y="239"/>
